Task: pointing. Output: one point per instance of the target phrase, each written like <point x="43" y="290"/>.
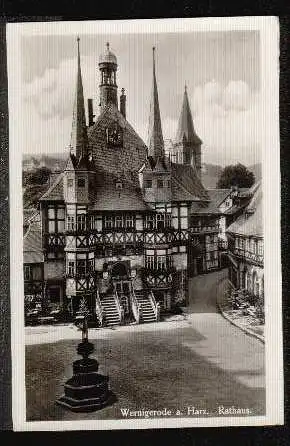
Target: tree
<point x="235" y="175"/>
<point x="38" y="176"/>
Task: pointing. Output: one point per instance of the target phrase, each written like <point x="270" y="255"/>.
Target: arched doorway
<point x="119" y="271"/>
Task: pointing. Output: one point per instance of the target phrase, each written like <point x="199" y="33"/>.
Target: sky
<point x="221" y="71"/>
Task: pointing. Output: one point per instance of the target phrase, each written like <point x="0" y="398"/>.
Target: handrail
<point x="155" y="305"/>
<point x="120" y="308"/>
<point x="99" y="310"/>
<point x="136" y="308"/>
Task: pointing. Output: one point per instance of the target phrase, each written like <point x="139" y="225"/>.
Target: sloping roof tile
<point x="187" y="177"/>
<point x="55" y="192"/>
<point x="250" y="223"/>
<point x="106" y="196"/>
<point x="32" y="244"/>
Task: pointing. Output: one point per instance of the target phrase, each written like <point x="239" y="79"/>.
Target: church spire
<point x="185" y="128"/>
<point x="155" y="137"/>
<point x="79" y="138"/>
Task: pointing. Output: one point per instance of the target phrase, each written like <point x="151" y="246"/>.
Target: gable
<point x="129" y="157"/>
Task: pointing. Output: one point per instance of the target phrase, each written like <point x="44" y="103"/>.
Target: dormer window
<point x="70" y="182"/>
<point x="119" y="185"/>
<point x="81" y="182"/>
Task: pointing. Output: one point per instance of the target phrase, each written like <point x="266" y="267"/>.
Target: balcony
<point x="249" y="256"/>
<point x="204" y="229"/>
<point x="54" y="242"/>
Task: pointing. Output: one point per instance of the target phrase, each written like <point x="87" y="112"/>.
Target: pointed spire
<point x="185" y="124"/>
<point x="79" y="139"/>
<point x="155" y="137"/>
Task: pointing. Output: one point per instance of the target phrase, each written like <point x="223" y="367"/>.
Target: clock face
<point x="114" y="135"/>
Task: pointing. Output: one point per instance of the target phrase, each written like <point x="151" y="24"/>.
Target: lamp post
<point x="86" y="390"/>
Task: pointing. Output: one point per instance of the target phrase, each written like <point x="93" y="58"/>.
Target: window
<point x="70" y="222"/>
<point x="118" y="221"/>
<point x="81" y="182"/>
<point x="150" y="221"/>
<point x="81" y="267"/>
<point x="129" y="221"/>
<point x="27" y="272"/>
<point x="161" y="262"/>
<point x="149" y="262"/>
<point x="55" y="219"/>
<point x="70" y="182"/>
<point x="159" y="183"/>
<point x="108" y="222"/>
<point x="71" y="268"/>
<point x="160" y="221"/>
<point x="148" y="184"/>
<point x="91" y="265"/>
<point x="81" y="222"/>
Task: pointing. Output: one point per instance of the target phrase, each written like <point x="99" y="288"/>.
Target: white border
<point x="269" y="38"/>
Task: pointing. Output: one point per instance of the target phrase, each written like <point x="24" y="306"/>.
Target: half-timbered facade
<point x="246" y="247"/>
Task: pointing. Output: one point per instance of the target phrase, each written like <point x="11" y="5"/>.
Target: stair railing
<point x="99" y="310"/>
<point x="120" y="308"/>
<point x="155" y="305"/>
<point x="136" y="308"/>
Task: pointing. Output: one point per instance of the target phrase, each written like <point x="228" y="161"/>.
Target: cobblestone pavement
<point x="202" y="361"/>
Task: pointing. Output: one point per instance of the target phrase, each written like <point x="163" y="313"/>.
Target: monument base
<point x="86" y="390"/>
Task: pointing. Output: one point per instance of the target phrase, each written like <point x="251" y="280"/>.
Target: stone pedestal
<point x="86" y="390"/>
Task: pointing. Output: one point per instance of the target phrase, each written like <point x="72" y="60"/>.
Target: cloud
<point x="226" y="117"/>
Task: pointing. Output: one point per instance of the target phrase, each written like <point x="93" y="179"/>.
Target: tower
<point x="78" y="176"/>
<point x="155" y="174"/>
<point x="187" y="145"/>
<point x="155" y="136"/>
<point x="108" y="86"/>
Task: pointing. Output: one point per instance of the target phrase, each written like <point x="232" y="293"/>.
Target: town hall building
<point x="124" y="225"/>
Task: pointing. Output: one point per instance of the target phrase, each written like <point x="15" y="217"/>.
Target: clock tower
<point x="108" y="86"/>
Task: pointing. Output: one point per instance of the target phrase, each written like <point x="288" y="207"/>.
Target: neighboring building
<point x="118" y="224"/>
<point x="246" y="247"/>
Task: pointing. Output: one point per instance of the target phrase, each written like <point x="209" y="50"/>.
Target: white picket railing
<point x="120" y="308"/>
<point x="136" y="308"/>
<point x="155" y="305"/>
<point x="99" y="310"/>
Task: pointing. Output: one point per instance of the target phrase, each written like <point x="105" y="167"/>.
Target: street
<point x="200" y="361"/>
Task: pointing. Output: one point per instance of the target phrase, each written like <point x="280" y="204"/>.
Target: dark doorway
<point x="119" y="270"/>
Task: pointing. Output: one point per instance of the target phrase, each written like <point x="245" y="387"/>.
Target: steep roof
<point x="186" y="176"/>
<point x="55" y="192"/>
<point x="155" y="136"/>
<point x="216" y="197"/>
<point x="116" y="160"/>
<point x="185" y="129"/>
<point x="250" y="223"/>
<point x="107" y="197"/>
<point x="32" y="244"/>
<point x="79" y="138"/>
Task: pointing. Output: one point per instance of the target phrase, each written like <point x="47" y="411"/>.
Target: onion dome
<point x="108" y="56"/>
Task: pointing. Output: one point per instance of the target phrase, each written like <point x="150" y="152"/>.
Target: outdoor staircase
<point x="110" y="310"/>
<point x="146" y="306"/>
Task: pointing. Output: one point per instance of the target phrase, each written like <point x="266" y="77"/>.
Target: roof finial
<point x="108" y="46"/>
<point x="185" y="87"/>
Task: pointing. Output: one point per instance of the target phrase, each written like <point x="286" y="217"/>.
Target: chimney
<point x="90" y="112"/>
<point x="123" y="103"/>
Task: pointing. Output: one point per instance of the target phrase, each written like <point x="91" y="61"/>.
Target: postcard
<point x="145" y="223"/>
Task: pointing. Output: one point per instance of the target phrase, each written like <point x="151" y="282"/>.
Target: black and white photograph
<point x="145" y="241"/>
